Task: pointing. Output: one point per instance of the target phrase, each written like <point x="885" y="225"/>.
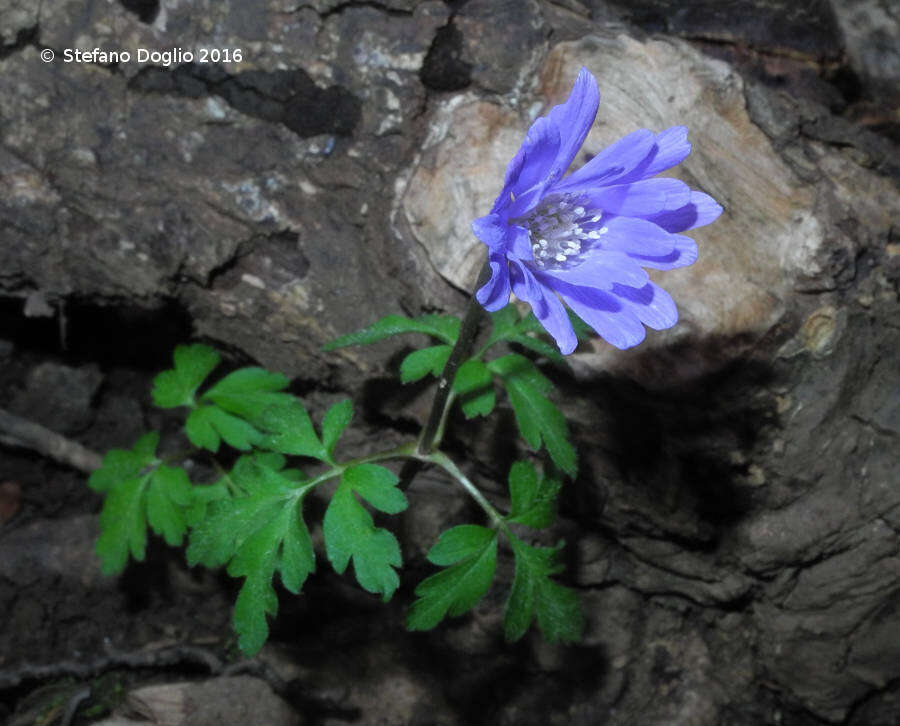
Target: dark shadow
<point x="443" y="68"/>
<point x="117" y="334"/>
<point x="481" y="690"/>
<point x="288" y="96"/>
<point x="686" y="442"/>
<point x="145" y="583"/>
<point x="146" y="10"/>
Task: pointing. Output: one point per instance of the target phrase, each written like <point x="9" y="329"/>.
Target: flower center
<point x="561" y="229"/>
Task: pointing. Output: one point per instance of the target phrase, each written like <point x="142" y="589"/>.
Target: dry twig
<point x="21" y="432"/>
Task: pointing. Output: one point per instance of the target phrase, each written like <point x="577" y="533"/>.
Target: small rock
<point x="225" y="701"/>
<point x="59" y="397"/>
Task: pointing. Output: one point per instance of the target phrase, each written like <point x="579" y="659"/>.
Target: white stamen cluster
<point x="560" y="229"/>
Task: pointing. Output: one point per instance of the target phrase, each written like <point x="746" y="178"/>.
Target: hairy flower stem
<point x="434" y="428"/>
<point x="468" y="331"/>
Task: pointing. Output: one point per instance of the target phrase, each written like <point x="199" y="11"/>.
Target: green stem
<point x="439" y="436"/>
<point x="468" y="331"/>
<point x="408" y="450"/>
<point x="400" y="452"/>
<point x="447" y="464"/>
<point x="230" y="483"/>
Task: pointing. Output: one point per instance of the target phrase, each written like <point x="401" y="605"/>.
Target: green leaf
<point x="176" y="387"/>
<point x="475" y="386"/>
<point x="537" y="417"/>
<point x="533" y="500"/>
<point x="258" y="535"/>
<point x="123" y="525"/>
<point x="168" y="496"/>
<point x="230" y="520"/>
<point x="530" y="324"/>
<point x="540" y="346"/>
<point x="202" y="497"/>
<point x="469" y="553"/>
<point x="333" y="424"/>
<point x="533" y="593"/>
<point x="509" y="327"/>
<point x="124" y="477"/>
<point x="297" y="559"/>
<point x="459" y="543"/>
<point x="350" y="532"/>
<point x="292" y="432"/>
<point x="504" y="323"/>
<point x="271" y="547"/>
<point x="256" y="599"/>
<point x="207" y="425"/>
<point x="377" y="485"/>
<point x="120" y="464"/>
<point x="420" y="363"/>
<point x="443" y="327"/>
<point x="247" y="392"/>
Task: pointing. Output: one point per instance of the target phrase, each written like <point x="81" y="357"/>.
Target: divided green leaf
<point x="334" y="422"/>
<point x="469" y="554"/>
<point x="537" y="417"/>
<point x="504" y="323"/>
<point x="248" y="392"/>
<point x="140" y="490"/>
<point x="583" y="331"/>
<point x="121" y="464"/>
<point x="168" y="498"/>
<point x="206" y="426"/>
<point x="203" y="496"/>
<point x="443" y="327"/>
<point x="350" y="532"/>
<point x="258" y="535"/>
<point x="508" y="326"/>
<point x="291" y="432"/>
<point x="123" y="525"/>
<point x="533" y="500"/>
<point x="123" y="520"/>
<point x="535" y="594"/>
<point x="420" y="363"/>
<point x="475" y="386"/>
<point x="176" y="387"/>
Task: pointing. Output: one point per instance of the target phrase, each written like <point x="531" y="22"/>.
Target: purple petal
<point x="636" y="237"/>
<point x="701" y="209"/>
<point x="495" y="293"/>
<point x="601" y="269"/>
<point x="574" y="119"/>
<point x="549" y="147"/>
<point x="652" y="305"/>
<point x="521" y="203"/>
<point x="615" y="162"/>
<point x="541" y="148"/>
<point x="671" y="147"/>
<point x="491" y="230"/>
<point x="547" y="308"/>
<point x="518" y="243"/>
<point x="640" y="199"/>
<point x="502" y="237"/>
<point x="684" y="254"/>
<point x="605" y="313"/>
<point x="531" y="166"/>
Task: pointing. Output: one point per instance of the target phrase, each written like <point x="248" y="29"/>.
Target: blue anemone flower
<point x="585" y="239"/>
